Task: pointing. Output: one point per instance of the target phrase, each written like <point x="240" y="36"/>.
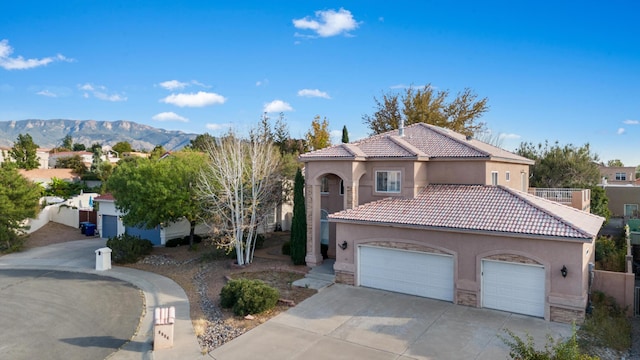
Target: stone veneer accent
<point x="467" y="298"/>
<point x="513" y="258"/>
<point x="567" y="316"/>
<point x="309" y="215"/>
<point x="406" y="246"/>
<point x="343" y="277"/>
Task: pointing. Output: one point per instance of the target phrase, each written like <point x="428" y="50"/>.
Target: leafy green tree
<point x="154" y="192"/>
<point x="600" y="202"/>
<point x="79" y="147"/>
<point x="429" y="106"/>
<point x="95" y="147"/>
<point x="122" y="147"/>
<point x="201" y="142"/>
<point x="24" y="152"/>
<point x="298" y="222"/>
<point x="345" y="135"/>
<point x="157" y="152"/>
<point x="67" y="142"/>
<point x="72" y="162"/>
<point x="19" y="199"/>
<point x="318" y="136"/>
<point x="561" y="166"/>
<point x="615" y="163"/>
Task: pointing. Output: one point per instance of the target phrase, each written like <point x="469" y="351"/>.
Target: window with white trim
<point x="507" y="176"/>
<point x="621" y="176"/>
<point x="494" y="178"/>
<point x="388" y="181"/>
<point x="324" y="185"/>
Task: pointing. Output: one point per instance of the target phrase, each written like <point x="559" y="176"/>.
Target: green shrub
<point x="286" y="248"/>
<point x="10" y="241"/>
<point x="197" y="239"/>
<point x="610" y="254"/>
<point x="608" y="324"/>
<point x="553" y="350"/>
<point x="247" y="296"/>
<point x="128" y="249"/>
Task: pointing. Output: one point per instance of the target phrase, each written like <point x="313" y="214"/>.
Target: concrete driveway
<point x="345" y="322"/>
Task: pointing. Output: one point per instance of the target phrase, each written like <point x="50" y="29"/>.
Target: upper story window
<point x="621" y="176"/>
<point x="388" y="181"/>
<point x="494" y="178"/>
<point x="324" y="185"/>
<point x="507" y="176"/>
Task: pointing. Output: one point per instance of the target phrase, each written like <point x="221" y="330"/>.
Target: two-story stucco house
<point x="430" y="212"/>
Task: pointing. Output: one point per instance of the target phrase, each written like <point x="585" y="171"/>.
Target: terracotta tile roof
<point x="420" y="140"/>
<point x="105" y="197"/>
<point x="481" y="208"/>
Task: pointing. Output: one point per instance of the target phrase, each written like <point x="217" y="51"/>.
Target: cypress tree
<point x="345" y="135"/>
<point x="298" y="222"/>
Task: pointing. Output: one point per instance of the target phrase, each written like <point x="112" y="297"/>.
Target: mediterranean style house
<point x="429" y="212"/>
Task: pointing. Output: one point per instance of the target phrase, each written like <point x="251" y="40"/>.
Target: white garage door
<point x="409" y="272"/>
<point x="518" y="288"/>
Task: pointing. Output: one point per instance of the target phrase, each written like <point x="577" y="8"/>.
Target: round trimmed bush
<point x="128" y="249"/>
<point x="247" y="296"/>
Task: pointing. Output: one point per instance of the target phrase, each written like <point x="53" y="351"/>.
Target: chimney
<point x="401" y="129"/>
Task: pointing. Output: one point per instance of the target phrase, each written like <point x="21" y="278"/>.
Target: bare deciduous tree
<point x="239" y="185"/>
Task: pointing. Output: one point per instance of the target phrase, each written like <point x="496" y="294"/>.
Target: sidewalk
<point x="79" y="256"/>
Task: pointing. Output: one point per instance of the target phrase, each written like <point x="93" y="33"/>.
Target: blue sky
<point x="552" y="70"/>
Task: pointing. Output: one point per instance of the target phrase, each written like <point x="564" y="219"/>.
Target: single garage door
<point x="109" y="226"/>
<point x="513" y="287"/>
<point x="409" y="272"/>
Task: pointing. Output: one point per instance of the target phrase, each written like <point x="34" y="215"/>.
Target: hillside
<point x="49" y="133"/>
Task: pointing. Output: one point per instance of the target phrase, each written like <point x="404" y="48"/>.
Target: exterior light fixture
<point x="344" y="245"/>
<point x="563" y="271"/>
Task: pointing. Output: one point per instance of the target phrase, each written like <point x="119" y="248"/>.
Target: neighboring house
<point x="618" y="175"/>
<point x="430" y="212"/>
<point x="624" y="200"/>
<point x="42" y="154"/>
<point x="86" y="156"/>
<point x="110" y="224"/>
<point x="135" y="154"/>
<point x="44" y="176"/>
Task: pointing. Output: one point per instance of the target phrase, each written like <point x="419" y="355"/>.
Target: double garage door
<point x="409" y="272"/>
<point x="512" y="287"/>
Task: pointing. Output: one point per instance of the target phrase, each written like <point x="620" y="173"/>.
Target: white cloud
<point x="277" y="106"/>
<point x="313" y="93"/>
<point x="509" y="136"/>
<point x="19" y="63"/>
<point x="198" y="99"/>
<point x="179" y="85"/>
<point x="328" y="22"/>
<point x="631" y="122"/>
<point x="211" y="126"/>
<point x="46" y="93"/>
<point x="264" y="82"/>
<point x="169" y="116"/>
<point x="620" y="131"/>
<point x="336" y="136"/>
<point x="99" y="92"/>
<point x="173" y="85"/>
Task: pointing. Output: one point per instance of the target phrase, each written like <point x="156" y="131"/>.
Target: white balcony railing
<point x="566" y="196"/>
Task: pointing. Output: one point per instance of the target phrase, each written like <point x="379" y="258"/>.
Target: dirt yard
<point x="202" y="274"/>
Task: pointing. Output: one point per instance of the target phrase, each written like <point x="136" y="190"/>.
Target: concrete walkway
<point x="345" y="322"/>
<point x="79" y="256"/>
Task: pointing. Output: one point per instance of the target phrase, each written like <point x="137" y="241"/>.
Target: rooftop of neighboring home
<point x="45" y="175"/>
<point x="105" y="197"/>
<point x="478" y="208"/>
<point x="420" y="141"/>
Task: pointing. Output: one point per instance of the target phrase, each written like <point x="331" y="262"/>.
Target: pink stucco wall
<point x="618" y="285"/>
<point x="468" y="250"/>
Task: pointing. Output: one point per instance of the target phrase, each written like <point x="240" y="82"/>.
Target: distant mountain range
<point x="49" y="133"/>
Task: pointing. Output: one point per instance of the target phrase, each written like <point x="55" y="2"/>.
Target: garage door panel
<point x="408" y="272"/>
<point x="518" y="288"/>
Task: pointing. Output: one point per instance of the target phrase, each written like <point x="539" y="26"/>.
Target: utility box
<point x="164" y="318"/>
<point x="103" y="259"/>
